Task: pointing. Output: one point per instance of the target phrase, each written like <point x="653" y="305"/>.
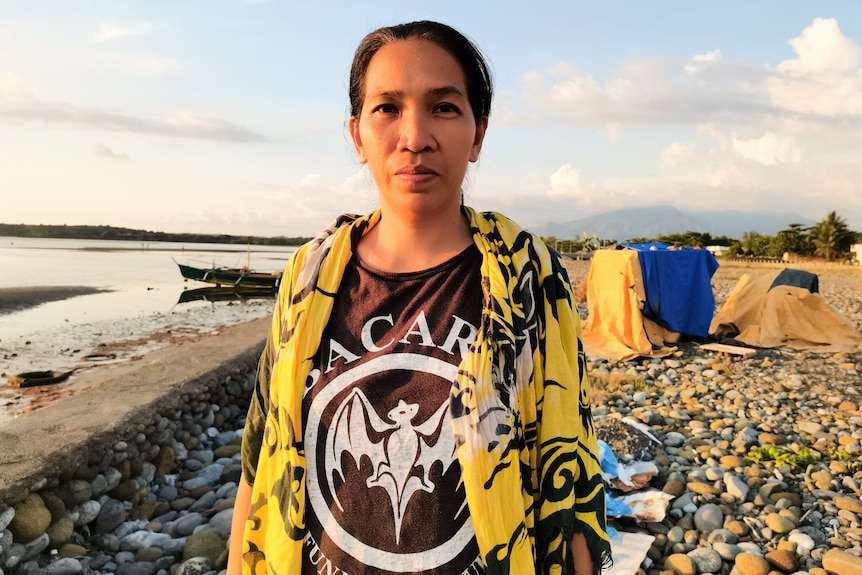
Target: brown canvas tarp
<point x="763" y="312"/>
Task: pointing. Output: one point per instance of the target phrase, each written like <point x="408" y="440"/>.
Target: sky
<point x="229" y="116"/>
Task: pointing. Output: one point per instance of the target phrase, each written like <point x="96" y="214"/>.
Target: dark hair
<point x="476" y="73"/>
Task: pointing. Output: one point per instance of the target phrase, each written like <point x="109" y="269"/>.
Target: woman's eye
<point x="446" y="108"/>
<point x="386" y="109"/>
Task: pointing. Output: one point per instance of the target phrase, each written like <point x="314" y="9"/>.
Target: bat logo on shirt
<point x="401" y="460"/>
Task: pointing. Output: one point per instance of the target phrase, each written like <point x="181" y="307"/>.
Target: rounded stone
<point x="60" y="532"/>
<point x="708" y="518"/>
<point x="6" y="515"/>
<point x="194" y="566"/>
<point x="222" y="520"/>
<point x="72" y="550"/>
<point x="209" y="544"/>
<point x="111" y="516"/>
<point x="187" y="524"/>
<point x="137" y="568"/>
<point x="707" y="560"/>
<point x="804" y="543"/>
<point x="779" y="524"/>
<point x="783" y="560"/>
<point x="75" y="492"/>
<point x="680" y="564"/>
<point x="149" y="554"/>
<point x="64" y="566"/>
<point x="727" y="551"/>
<point x="31" y="519"/>
<point x="841" y="563"/>
<point x="88" y="511"/>
<point x="750" y="564"/>
<point x="674" y="488"/>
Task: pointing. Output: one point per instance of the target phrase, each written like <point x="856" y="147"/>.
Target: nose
<point x="416" y="133"/>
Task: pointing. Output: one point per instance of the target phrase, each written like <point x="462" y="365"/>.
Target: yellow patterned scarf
<point x="520" y="408"/>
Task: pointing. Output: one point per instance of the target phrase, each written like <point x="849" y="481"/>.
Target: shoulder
<point x="345" y="228"/>
<point x="505" y="235"/>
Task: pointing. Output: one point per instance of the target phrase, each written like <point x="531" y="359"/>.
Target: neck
<point x="407" y="245"/>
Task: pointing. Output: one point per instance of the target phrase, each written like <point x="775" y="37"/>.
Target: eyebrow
<point x="436" y="92"/>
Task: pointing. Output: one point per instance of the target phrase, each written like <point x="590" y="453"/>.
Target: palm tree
<point x="830" y="236"/>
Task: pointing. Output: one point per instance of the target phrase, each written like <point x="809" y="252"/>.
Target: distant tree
<point x="831" y="236"/>
<point x="689" y="238"/>
<point x="792" y="240"/>
<point x="749" y="242"/>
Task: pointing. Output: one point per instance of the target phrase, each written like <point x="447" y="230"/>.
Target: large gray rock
<point x="111" y="516"/>
<point x="708" y="518"/>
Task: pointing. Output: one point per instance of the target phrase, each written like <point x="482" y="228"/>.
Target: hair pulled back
<point x="477" y="76"/>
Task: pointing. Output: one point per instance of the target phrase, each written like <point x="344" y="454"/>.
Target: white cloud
<point x="565" y="182"/>
<point x="141" y="65"/>
<point x="613" y="132"/>
<point x="675" y="154"/>
<point x="825" y="79"/>
<point x="186" y="125"/>
<point x="106" y="152"/>
<point x="769" y="149"/>
<point x="644" y="91"/>
<point x="701" y="61"/>
<point x="109" y="31"/>
<point x="358" y="184"/>
<point x="149" y="66"/>
<point x="14" y="86"/>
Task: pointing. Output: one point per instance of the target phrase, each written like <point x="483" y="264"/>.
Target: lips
<point x="416" y="171"/>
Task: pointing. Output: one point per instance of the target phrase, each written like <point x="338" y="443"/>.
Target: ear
<point x="353" y="123"/>
<point x="481" y="128"/>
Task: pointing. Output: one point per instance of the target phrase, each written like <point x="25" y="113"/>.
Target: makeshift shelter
<point x="641" y="298"/>
<point x="784" y="309"/>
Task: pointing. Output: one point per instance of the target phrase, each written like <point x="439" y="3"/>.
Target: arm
<point x="580" y="553"/>
<point x="237" y="527"/>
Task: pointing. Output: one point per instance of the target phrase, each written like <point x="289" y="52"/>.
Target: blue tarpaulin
<point x="678" y="287"/>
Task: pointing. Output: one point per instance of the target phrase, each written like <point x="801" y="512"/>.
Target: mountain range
<point x="649" y="222"/>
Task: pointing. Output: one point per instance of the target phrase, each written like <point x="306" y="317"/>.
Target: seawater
<point x="142" y="278"/>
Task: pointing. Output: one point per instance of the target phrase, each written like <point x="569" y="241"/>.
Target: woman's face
<point x="416" y="130"/>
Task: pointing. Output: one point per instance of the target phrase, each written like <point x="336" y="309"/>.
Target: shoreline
<point x="99" y="403"/>
<point x="103" y="346"/>
<point x="15" y="299"/>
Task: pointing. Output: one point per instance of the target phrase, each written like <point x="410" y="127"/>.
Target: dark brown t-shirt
<point x="384" y="486"/>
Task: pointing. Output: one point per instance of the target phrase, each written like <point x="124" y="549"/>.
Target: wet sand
<point x="91" y="349"/>
<point x="21" y="298"/>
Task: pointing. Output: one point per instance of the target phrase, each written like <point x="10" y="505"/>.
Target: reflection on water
<point x="213" y="294"/>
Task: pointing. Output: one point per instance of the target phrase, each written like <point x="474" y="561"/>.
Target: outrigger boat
<point x="236" y="277"/>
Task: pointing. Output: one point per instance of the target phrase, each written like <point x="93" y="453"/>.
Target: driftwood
<point x="34" y="378"/>
<point x="724" y="349"/>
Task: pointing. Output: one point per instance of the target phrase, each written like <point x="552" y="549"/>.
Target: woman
<point x="422" y="403"/>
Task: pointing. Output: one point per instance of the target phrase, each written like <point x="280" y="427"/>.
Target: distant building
<point x="717" y="251"/>
<point x="856" y="250"/>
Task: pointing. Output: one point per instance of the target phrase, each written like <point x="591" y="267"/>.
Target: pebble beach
<point x="761" y="458"/>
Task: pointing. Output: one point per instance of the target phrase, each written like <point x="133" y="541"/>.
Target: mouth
<point x="417" y="176"/>
<point x="416" y="171"/>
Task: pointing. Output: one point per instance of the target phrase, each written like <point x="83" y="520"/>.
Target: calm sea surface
<point x="142" y="277"/>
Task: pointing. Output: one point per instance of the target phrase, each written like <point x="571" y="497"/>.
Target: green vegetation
<point x="830" y="239"/>
<point x="585" y="244"/>
<point x="113" y="233"/>
<point x="691" y="239"/>
<point x="780" y="456"/>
